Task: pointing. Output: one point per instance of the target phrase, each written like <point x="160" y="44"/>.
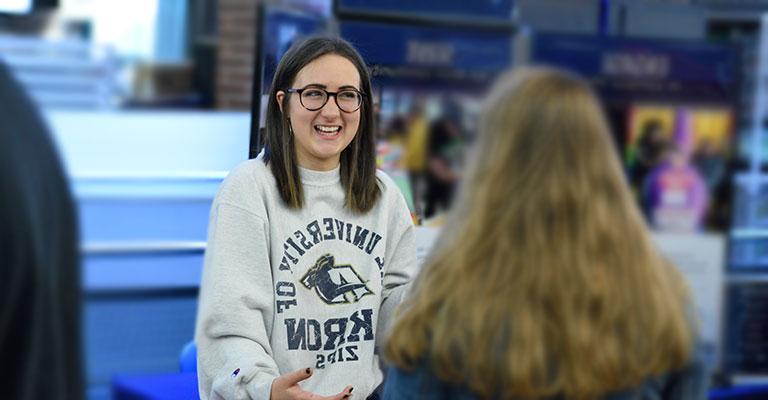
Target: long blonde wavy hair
<point x="545" y="281"/>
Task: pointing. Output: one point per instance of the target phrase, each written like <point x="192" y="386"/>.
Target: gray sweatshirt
<point x="286" y="289"/>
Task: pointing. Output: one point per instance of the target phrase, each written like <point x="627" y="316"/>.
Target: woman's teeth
<point x="327" y="130"/>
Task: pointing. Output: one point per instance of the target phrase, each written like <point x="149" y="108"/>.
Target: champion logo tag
<point x="235" y="372"/>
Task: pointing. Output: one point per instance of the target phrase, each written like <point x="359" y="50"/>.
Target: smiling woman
<point x="310" y="249"/>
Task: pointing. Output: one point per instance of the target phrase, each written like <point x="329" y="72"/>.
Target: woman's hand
<point x="286" y="387"/>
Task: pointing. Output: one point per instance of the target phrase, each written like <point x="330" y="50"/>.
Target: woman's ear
<point x="279" y="96"/>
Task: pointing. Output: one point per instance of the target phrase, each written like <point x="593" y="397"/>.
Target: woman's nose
<point x="330" y="108"/>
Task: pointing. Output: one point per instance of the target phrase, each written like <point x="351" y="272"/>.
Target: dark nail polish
<point x="346" y="396"/>
<point x="307" y="371"/>
<point x="351" y="389"/>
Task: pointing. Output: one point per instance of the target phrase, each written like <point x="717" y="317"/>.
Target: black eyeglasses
<point x="313" y="98"/>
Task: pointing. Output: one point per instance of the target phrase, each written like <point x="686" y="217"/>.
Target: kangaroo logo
<point x="335" y="284"/>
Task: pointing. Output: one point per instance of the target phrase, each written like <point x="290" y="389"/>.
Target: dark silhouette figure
<point x="40" y="322"/>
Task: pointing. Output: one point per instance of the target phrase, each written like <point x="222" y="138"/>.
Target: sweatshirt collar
<point x="320" y="178"/>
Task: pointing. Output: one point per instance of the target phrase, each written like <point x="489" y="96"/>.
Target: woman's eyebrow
<point x="320" y="85"/>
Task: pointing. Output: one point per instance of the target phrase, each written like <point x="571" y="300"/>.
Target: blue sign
<point x="405" y="54"/>
<point x="645" y="68"/>
<point x="281" y="29"/>
<point x="479" y="10"/>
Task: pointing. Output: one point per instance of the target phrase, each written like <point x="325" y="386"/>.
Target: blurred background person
<point x="390" y="146"/>
<point x="650" y="151"/>
<point x="415" y="155"/>
<point x="547" y="284"/>
<point x="444" y="159"/>
<point x="709" y="161"/>
<point x="39" y="277"/>
<point x="675" y="193"/>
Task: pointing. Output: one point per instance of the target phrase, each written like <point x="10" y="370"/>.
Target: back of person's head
<point x="40" y="344"/>
<point x="545" y="281"/>
<point x="358" y="160"/>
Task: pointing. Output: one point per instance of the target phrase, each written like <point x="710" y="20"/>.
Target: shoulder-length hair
<point x="358" y="160"/>
<point x="545" y="281"/>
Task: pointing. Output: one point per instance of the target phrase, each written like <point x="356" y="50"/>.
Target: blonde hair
<point x="546" y="281"/>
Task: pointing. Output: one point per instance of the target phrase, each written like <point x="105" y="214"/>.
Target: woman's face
<point x="321" y="135"/>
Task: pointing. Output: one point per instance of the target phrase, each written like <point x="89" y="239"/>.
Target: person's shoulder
<point x="687" y="383"/>
<point x="254" y="168"/>
<point x="407" y="384"/>
<point x="421" y="383"/>
<point x="246" y="179"/>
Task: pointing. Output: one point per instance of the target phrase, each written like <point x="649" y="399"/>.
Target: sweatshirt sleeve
<point x="399" y="269"/>
<point x="235" y="311"/>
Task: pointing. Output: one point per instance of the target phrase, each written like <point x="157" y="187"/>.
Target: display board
<point x="672" y="109"/>
<point x="464" y="10"/>
<point x="429" y="57"/>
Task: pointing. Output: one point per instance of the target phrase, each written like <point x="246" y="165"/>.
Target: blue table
<point x="744" y="392"/>
<point x="177" y="386"/>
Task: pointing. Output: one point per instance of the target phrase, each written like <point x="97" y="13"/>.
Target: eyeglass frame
<point x="328" y="97"/>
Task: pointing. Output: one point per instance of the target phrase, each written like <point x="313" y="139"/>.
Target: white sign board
<point x="425" y="238"/>
<point x="701" y="259"/>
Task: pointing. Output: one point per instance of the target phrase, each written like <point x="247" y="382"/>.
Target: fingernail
<point x="307" y="371"/>
<point x="346" y="396"/>
<point x="235" y="372"/>
<point x="350" y="389"/>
